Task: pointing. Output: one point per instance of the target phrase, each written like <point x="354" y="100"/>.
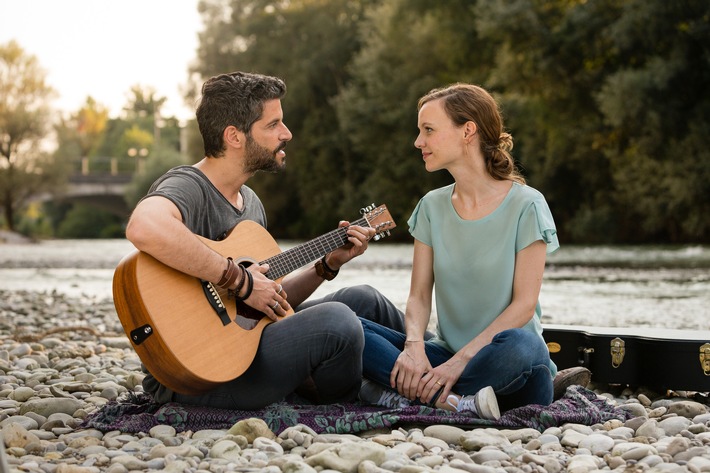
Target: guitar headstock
<point x="380" y="219"/>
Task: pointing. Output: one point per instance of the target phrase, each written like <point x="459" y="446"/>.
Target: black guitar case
<point x="651" y="357"/>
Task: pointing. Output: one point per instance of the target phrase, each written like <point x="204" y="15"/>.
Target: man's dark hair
<point x="234" y="99"/>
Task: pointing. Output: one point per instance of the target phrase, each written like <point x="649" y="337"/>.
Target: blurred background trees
<point x="25" y="167"/>
<point x="606" y="101"/>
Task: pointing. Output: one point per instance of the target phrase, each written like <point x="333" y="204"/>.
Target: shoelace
<point x="392" y="400"/>
<point x="467" y="403"/>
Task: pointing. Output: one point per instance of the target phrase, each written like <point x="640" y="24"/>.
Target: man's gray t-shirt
<point x="205" y="212"/>
<point x="204" y="209"/>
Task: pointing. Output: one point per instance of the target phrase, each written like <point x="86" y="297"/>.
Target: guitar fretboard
<point x="298" y="256"/>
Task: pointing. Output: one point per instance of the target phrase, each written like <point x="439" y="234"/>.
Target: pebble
<point x="50" y="383"/>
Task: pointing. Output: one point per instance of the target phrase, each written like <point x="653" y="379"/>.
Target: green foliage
<point x="308" y="43"/>
<point x="142" y="144"/>
<point x="606" y="100"/>
<point x="25" y="169"/>
<point x="84" y="221"/>
<point x="160" y="161"/>
<point x="377" y="109"/>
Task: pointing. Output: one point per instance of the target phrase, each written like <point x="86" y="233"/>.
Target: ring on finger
<point x="281" y="288"/>
<point x="438" y="383"/>
<point x="275" y="306"/>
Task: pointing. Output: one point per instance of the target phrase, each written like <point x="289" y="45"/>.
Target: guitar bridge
<point x="215" y="301"/>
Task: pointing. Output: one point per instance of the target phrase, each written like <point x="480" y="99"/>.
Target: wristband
<point x="250" y="286"/>
<point x="324" y="271"/>
<point x="233" y="292"/>
<point x="229" y="276"/>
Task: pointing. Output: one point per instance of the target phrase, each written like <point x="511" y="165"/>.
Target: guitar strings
<point x="294" y="258"/>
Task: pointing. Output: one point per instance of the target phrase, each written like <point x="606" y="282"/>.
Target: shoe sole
<point x="487" y="404"/>
<point x="576" y="376"/>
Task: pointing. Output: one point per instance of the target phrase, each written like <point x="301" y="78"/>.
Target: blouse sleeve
<point x="536" y="223"/>
<point x="419" y="224"/>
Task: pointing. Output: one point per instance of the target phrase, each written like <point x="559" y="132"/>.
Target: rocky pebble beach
<point x="61" y="359"/>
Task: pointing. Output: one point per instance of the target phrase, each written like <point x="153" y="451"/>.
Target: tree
<point x="608" y="99"/>
<point x="308" y="43"/>
<point x="25" y="170"/>
<point x="81" y="134"/>
<point x="409" y="47"/>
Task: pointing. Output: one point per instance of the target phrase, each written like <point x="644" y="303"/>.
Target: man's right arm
<point x="156" y="228"/>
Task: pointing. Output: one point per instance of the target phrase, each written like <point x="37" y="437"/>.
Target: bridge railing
<point x="109" y="166"/>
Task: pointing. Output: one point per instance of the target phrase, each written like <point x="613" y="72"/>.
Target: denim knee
<point x="523" y="345"/>
<point x="338" y="319"/>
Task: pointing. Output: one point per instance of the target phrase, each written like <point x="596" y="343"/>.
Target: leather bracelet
<point x="232" y="293"/>
<point x="230" y="274"/>
<point x="325" y="271"/>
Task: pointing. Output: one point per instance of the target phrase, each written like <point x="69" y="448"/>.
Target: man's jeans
<point x="320" y="345"/>
<point x="515" y="363"/>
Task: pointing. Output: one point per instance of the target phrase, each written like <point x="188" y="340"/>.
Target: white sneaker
<point x="484" y="404"/>
<point x="376" y="394"/>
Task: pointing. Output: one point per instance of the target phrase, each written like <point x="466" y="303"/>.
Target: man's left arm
<point x="301" y="285"/>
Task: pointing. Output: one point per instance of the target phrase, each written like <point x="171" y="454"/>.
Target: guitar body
<point x="188" y="333"/>
<point x="189" y="349"/>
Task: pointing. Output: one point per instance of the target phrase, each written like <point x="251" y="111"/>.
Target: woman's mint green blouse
<point x="474" y="260"/>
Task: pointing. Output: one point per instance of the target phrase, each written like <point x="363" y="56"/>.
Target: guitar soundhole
<point x="247" y="317"/>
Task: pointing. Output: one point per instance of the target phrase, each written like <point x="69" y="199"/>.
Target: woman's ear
<point x="469" y="130"/>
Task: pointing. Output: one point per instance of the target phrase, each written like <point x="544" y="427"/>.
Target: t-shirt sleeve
<point x="420" y="224"/>
<point x="536" y="223"/>
<point x="182" y="191"/>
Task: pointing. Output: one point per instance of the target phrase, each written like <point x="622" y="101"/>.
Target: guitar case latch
<point x="705" y="358"/>
<point x="584" y="355"/>
<point x="618" y="350"/>
<point x="140" y="334"/>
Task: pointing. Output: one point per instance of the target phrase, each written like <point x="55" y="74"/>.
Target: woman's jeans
<point x="515" y="364"/>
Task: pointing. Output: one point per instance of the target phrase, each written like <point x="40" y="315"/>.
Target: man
<point x="318" y="350"/>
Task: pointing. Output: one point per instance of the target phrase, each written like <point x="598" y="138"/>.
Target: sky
<point x="102" y="48"/>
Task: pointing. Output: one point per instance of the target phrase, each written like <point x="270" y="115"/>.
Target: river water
<point x="607" y="286"/>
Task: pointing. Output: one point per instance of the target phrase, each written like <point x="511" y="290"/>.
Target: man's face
<point x="265" y="144"/>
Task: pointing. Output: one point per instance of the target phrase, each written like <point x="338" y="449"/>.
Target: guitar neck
<point x="290" y="260"/>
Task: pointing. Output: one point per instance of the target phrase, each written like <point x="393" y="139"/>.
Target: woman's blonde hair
<point x="466" y="102"/>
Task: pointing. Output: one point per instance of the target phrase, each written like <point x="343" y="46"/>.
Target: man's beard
<point x="259" y="158"/>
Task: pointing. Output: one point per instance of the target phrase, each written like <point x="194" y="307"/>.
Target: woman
<point x="482" y="243"/>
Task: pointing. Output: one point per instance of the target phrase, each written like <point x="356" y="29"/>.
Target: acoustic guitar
<point x="186" y="331"/>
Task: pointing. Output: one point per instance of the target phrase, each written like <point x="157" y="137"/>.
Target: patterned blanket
<point x="139" y="414"/>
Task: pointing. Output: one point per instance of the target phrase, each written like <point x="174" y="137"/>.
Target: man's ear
<point x="233" y="137"/>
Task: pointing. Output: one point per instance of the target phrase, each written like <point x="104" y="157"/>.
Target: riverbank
<point x="62" y="359"/>
<point x="13" y="238"/>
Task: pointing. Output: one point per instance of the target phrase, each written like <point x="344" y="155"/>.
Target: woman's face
<point x="440" y="140"/>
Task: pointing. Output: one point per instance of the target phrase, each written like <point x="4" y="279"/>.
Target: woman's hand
<point x="443" y="376"/>
<point x="409" y="368"/>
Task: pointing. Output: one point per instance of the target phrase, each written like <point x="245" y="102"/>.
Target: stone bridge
<point x="101" y="190"/>
<point x="104" y="191"/>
